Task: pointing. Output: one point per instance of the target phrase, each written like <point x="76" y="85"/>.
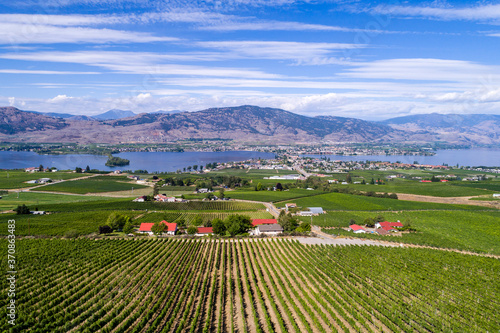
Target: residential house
<point x="145" y="228"/>
<point x="256" y="222"/>
<point x="290" y="205"/>
<point x="388" y="224"/>
<point x="38" y="212"/>
<point x="140" y="199"/>
<point x="357" y="229"/>
<point x="268" y="229"/>
<point x="204" y="231"/>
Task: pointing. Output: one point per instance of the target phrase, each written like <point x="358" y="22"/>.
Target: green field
<point x="13" y="179"/>
<point x="340" y="201"/>
<point x="84" y="217"/>
<point x="97" y="184"/>
<point x="271" y="196"/>
<point x="476" y="231"/>
<point x="32" y="199"/>
<point x="263" y="286"/>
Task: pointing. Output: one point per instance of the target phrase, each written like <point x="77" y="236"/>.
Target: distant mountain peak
<point x="114" y="114"/>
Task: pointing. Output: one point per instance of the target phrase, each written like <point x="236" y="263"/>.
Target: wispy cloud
<point x="20" y="33"/>
<point x="302" y="53"/>
<point x="423" y="70"/>
<point x="142" y="63"/>
<point x="473" y="13"/>
<point x="42" y="72"/>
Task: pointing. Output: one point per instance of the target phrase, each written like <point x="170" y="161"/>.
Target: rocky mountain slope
<point x="246" y="124"/>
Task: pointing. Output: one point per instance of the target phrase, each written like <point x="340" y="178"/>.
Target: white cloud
<point x="28" y="71"/>
<point x="60" y="99"/>
<point x="304" y="53"/>
<point x="25" y="33"/>
<point x="423" y="70"/>
<point x="12" y="101"/>
<point x="136" y="63"/>
<point x="477" y="13"/>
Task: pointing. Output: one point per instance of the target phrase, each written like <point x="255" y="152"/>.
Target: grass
<point x="477" y="231"/>
<point x="340" y="201"/>
<point x="99" y="184"/>
<point x="59" y="224"/>
<point x="450" y="189"/>
<point x="33" y="200"/>
<point x="12" y="179"/>
<point x="270" y="196"/>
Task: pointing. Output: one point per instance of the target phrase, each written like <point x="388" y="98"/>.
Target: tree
<point x="158" y="228"/>
<point x="105" y="229"/>
<point x="191" y="230"/>
<point x="117" y="221"/>
<point x="78" y="170"/>
<point x="195" y="167"/>
<point x="304" y="227"/>
<point x="22" y="210"/>
<point x="197" y="221"/>
<point x="128" y="227"/>
<point x="189" y="168"/>
<point x="279" y="187"/>
<point x="348" y="178"/>
<point x="40" y="168"/>
<point x="87" y="169"/>
<point x="156" y="189"/>
<point x="181" y="223"/>
<point x="219" y="228"/>
<point x="237" y="224"/>
<point x="259" y="186"/>
<point x="221" y="193"/>
<point x="209" y="195"/>
<point x="353" y="221"/>
<point x="155" y="177"/>
<point x="287" y="221"/>
<point x="372" y="181"/>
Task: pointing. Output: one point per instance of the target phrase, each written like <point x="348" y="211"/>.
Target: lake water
<point x="463" y="157"/>
<point x="166" y="161"/>
<point x="150" y="161"/>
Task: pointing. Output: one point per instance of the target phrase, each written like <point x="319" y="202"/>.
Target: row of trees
<point x="117" y="222"/>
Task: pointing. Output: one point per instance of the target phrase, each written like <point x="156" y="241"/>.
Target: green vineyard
<point x="163" y="285"/>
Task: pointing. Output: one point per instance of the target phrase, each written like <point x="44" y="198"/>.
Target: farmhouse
<point x="140" y="199"/>
<point x="388" y="224"/>
<point x="268" y="229"/>
<point x="31" y="169"/>
<point x="38" y="212"/>
<point x="145" y="228"/>
<point x="357" y="229"/>
<point x="203" y="231"/>
<point x="257" y="222"/>
<point x="290" y="205"/>
<point x="164" y="198"/>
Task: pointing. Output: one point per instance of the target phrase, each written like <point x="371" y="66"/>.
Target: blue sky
<point x="364" y="59"/>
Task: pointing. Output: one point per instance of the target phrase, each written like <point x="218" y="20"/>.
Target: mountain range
<point x="245" y="124"/>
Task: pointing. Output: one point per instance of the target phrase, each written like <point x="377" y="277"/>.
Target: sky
<point x="372" y="60"/>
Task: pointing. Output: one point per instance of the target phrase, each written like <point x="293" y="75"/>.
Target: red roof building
<point x="146" y="227"/>
<point x="257" y="222"/>
<point x="389" y="224"/>
<point x="357" y="228"/>
<point x="205" y="230"/>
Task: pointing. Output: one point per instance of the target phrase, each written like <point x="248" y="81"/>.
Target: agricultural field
<point x="84" y="217"/>
<point x="340" y="201"/>
<point x="33" y="199"/>
<point x="450" y="189"/>
<point x="475" y="231"/>
<point x="94" y="185"/>
<point x="271" y="196"/>
<point x="248" y="286"/>
<point x="13" y="179"/>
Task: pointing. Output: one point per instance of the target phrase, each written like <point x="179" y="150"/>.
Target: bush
<point x="21" y="210"/>
<point x="71" y="234"/>
<point x="105" y="229"/>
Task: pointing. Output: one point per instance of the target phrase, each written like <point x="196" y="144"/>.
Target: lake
<point x="170" y="161"/>
<point x="463" y="157"/>
<point x="150" y="161"/>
